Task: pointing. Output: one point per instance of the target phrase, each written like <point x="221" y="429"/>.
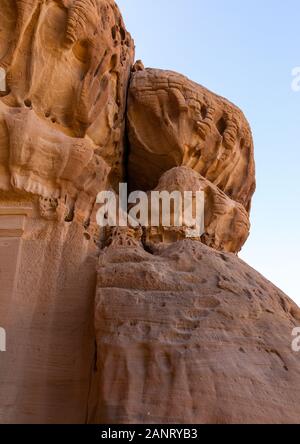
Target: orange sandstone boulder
<point x="173" y="121"/>
<point x="191" y="335"/>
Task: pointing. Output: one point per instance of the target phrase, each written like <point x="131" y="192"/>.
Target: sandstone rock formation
<point x="46" y="307"/>
<point x="192" y="335"/>
<point x="204" y="133"/>
<point x="62" y="115"/>
<point x="126" y="324"/>
<point x="62" y="119"/>
<point x="194" y="128"/>
<point x="226" y="222"/>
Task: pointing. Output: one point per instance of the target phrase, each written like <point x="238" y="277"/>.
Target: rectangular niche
<point x="12" y="225"/>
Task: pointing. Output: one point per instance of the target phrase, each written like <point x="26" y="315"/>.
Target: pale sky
<point x="245" y="51"/>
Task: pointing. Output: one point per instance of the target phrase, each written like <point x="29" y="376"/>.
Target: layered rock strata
<point x="173" y="121"/>
<point x="62" y="120"/>
<point x="126" y="325"/>
<point x="191" y="335"/>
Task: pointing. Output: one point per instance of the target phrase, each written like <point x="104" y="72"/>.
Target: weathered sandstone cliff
<point x="62" y="119"/>
<point x="119" y="324"/>
<point x="192" y="335"/>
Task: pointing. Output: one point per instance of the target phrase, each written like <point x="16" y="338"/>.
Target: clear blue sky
<point x="245" y="51"/>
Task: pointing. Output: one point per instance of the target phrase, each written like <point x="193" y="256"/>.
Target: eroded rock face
<point x="226" y="222"/>
<point x="184" y="332"/>
<point x="62" y="114"/>
<point x="172" y="122"/>
<point x="190" y="335"/>
<point x="48" y="277"/>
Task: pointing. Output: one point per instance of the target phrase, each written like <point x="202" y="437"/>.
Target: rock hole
<point x="133" y="323"/>
<point x="28" y="103"/>
<point x="69" y="218"/>
<point x="123" y="33"/>
<point x="203" y="112"/>
<point x="221" y="126"/>
<point x="114" y="32"/>
<point x="113" y="62"/>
